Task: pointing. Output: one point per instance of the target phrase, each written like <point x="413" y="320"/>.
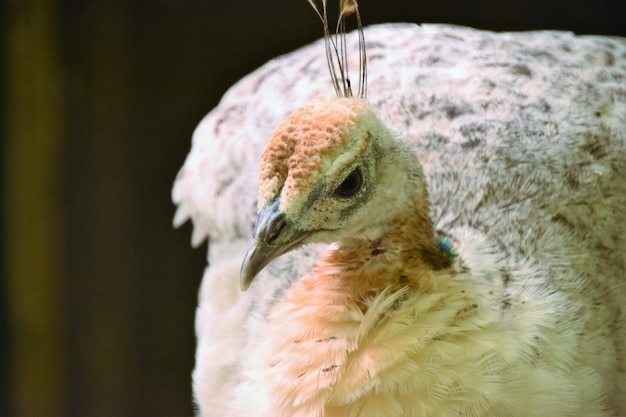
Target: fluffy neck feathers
<point x="404" y="256"/>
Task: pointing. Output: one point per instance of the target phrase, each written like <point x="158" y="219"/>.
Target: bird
<point x="450" y="243"/>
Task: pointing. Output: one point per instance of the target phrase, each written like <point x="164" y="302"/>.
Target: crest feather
<point x="336" y="50"/>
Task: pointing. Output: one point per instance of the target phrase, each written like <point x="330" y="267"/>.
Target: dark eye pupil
<point x="351" y="185"/>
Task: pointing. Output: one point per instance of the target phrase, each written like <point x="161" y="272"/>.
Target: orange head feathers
<point x="305" y="144"/>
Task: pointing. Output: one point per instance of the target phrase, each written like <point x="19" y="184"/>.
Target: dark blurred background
<point x="99" y="101"/>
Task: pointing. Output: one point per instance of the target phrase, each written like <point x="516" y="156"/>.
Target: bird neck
<point x="406" y="254"/>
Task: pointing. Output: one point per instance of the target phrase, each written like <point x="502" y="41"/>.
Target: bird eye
<point x="351" y="185"/>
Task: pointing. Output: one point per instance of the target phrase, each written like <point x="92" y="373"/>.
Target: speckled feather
<point x="522" y="141"/>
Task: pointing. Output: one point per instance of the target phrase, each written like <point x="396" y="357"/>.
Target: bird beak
<point x="274" y="235"/>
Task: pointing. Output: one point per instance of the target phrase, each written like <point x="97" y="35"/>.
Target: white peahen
<point x="455" y="245"/>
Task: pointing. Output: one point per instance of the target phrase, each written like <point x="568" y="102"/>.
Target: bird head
<point x="332" y="172"/>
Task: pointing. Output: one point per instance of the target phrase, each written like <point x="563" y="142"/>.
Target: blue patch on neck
<point x="445" y="245"/>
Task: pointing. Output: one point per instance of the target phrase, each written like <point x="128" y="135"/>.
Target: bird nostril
<point x="275" y="229"/>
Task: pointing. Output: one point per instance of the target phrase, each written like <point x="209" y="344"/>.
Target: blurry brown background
<point x="99" y="100"/>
